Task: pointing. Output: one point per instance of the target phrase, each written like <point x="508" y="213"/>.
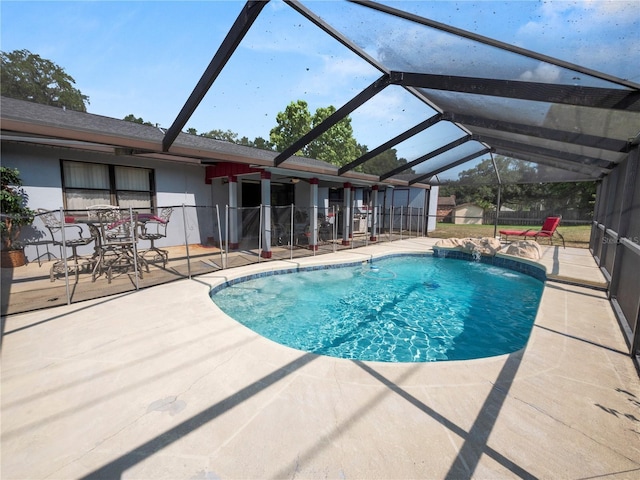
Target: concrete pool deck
<point x="160" y="384"/>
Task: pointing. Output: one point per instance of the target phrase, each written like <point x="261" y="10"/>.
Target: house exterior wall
<point x="411" y="197"/>
<point x="176" y="185"/>
<point x="219" y="193"/>
<point x="179" y="185"/>
<point x="39" y="171"/>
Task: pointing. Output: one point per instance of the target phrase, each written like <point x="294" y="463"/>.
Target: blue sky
<point x="145" y="57"/>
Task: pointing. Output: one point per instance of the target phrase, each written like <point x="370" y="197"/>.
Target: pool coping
<point x="509" y="262"/>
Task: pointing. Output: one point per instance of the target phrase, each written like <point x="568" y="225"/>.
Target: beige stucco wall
<point x="467" y="214"/>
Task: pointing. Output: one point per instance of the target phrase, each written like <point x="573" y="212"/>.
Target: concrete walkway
<point x="160" y="384"/>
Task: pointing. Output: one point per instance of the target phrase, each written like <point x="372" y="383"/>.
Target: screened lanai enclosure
<point x="460" y="106"/>
<point x="471" y="98"/>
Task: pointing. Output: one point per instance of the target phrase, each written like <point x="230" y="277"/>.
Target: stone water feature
<point x="524" y="249"/>
<point x="488" y="246"/>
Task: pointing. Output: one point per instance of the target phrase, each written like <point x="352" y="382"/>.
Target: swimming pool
<point x="409" y="308"/>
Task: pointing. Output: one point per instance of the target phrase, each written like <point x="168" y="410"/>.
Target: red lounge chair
<point x="548" y="230"/>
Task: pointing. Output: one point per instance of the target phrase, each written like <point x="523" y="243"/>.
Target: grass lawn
<point x="574" y="236"/>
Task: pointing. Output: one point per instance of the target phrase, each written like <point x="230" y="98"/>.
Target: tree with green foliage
<point x="232" y="137"/>
<point x="132" y="118"/>
<point x="384" y="162"/>
<point x="14" y="212"/>
<point x="224" y="135"/>
<point x="336" y="146"/>
<point x="27" y="76"/>
<point x="258" y="142"/>
<point x="519" y="190"/>
<point x="292" y="124"/>
<point x="580" y="195"/>
<point x="479" y="184"/>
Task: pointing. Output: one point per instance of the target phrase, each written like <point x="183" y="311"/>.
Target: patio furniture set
<point x="115" y="234"/>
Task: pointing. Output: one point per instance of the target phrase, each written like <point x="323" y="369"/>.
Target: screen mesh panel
<point x="566" y="147"/>
<point x="614" y="221"/>
<point x="610" y="206"/>
<point x="608" y="252"/>
<point x="597" y="240"/>
<point x="405" y="45"/>
<point x="633" y="229"/>
<point x="629" y="287"/>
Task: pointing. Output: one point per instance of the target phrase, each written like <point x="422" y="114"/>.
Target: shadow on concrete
<point x="599" y="345"/>
<point x="116" y="468"/>
<point x="106" y="396"/>
<point x="475" y="440"/>
<point x="56" y="317"/>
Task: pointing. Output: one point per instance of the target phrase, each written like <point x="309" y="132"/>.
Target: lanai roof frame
<point x="598" y="90"/>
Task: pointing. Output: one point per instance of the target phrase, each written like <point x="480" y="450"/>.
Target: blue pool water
<point x="404" y="309"/>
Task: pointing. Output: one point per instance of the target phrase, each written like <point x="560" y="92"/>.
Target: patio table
<point x="116" y="242"/>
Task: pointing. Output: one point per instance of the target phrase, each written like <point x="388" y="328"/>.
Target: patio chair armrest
<point x="153" y="226"/>
<point x="79" y="227"/>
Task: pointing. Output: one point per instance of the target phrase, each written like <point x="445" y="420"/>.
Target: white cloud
<point x="599" y="34"/>
<point x="544" y="73"/>
<point x="346" y="67"/>
<point x="337" y="77"/>
<point x="387" y="105"/>
<point x="564" y="18"/>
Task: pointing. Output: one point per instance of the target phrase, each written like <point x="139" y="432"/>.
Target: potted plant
<point x="14" y="214"/>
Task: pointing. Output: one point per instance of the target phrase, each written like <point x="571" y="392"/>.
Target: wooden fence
<point x="569" y="217"/>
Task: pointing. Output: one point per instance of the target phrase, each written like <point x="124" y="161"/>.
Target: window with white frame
<point x="85" y="184"/>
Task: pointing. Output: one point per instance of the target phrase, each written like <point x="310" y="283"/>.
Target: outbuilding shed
<point x="468" y="214"/>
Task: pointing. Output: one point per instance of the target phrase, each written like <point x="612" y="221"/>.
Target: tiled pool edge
<point x="524" y="266"/>
<point x="307" y="268"/>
